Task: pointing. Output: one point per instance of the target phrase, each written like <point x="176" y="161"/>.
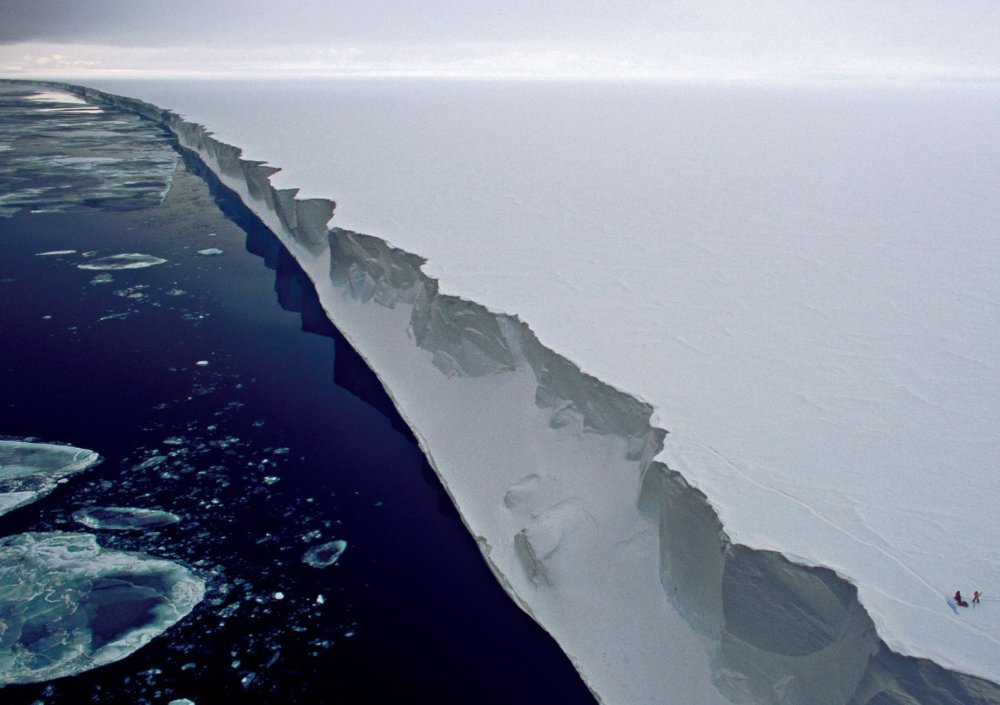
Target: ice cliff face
<point x="553" y="471"/>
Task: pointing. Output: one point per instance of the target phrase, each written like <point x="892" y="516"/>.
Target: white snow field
<point x="799" y="283"/>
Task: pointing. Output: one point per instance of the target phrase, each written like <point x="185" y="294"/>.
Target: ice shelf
<point x="616" y="538"/>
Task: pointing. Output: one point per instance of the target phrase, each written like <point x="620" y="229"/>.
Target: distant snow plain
<point x="802" y="280"/>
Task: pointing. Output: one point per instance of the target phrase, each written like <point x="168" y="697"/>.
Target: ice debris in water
<point x="182" y="701"/>
<point x="124" y="518"/>
<point x="126" y="260"/>
<point x="325" y="554"/>
<point x="29" y="471"/>
<point x="102" y="279"/>
<point x="67" y="605"/>
<point x="53" y="253"/>
<point x="210" y="251"/>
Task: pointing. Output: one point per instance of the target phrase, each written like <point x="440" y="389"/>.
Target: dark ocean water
<point x="196" y="383"/>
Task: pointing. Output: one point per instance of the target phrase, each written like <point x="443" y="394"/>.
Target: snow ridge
<point x="580" y="524"/>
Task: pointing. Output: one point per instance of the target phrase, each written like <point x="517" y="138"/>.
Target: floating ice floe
<point x="67" y="605"/>
<point x="210" y="251"/>
<point x="126" y="260"/>
<point x="54" y="253"/>
<point x="29" y="471"/>
<point x="124" y="518"/>
<point x="325" y="554"/>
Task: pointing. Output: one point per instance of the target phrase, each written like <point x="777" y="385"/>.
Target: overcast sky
<point x="957" y="39"/>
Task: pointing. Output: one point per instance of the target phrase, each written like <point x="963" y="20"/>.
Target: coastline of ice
<point x="380" y="297"/>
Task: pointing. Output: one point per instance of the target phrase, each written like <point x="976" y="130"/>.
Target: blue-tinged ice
<point x="68" y="605"/>
<point x="124" y="518"/>
<point x="29" y="471"/>
<point x="125" y="260"/>
<point x="325" y="554"/>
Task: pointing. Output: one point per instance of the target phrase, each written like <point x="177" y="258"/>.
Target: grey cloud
<point x="181" y="22"/>
<point x="765" y="35"/>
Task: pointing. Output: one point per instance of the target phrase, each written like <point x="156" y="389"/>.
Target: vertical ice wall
<point x="571" y="511"/>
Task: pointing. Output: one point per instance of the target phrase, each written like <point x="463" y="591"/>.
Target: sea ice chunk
<point x="325" y="554"/>
<point x="210" y="251"/>
<point x="124" y="518"/>
<point x="29" y="471"/>
<point x="125" y="260"/>
<point x="67" y="605"/>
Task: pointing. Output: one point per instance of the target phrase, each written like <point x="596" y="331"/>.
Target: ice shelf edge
<point x="736" y="596"/>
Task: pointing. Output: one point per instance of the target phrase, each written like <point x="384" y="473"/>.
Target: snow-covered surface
<point x="801" y="280"/>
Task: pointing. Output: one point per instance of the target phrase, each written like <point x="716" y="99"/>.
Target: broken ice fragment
<point x="29" y="471"/>
<point x="68" y="605"/>
<point x="53" y="253"/>
<point x="124" y="518"/>
<point x="126" y="260"/>
<point x="325" y="554"/>
<point x="202" y="363"/>
<point x="210" y="251"/>
<point x="150" y="462"/>
<point x="102" y="279"/>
